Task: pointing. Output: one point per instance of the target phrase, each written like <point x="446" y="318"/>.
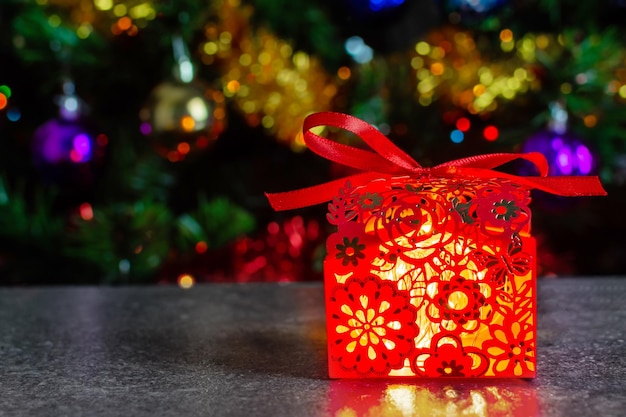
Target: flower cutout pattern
<point x="372" y="327"/>
<point x="505" y="210"/>
<point x="431" y="277"/>
<point x="350" y="251"/>
<point x="447" y="357"/>
<point x="512" y="348"/>
<point x="461" y="301"/>
<point x="370" y="201"/>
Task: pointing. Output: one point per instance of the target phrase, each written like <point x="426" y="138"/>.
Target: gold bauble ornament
<point x="183" y="118"/>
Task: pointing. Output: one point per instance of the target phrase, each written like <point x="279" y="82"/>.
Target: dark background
<point x="132" y="214"/>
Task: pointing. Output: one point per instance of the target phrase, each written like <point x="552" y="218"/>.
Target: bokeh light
<point x="491" y="133"/>
<point x="186" y="281"/>
<point x="86" y="211"/>
<point x="463" y="124"/>
<point x="456" y="136"/>
<point x="272" y="85"/>
<point x="566" y="154"/>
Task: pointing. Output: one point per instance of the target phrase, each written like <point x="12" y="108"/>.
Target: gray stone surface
<point x="259" y="350"/>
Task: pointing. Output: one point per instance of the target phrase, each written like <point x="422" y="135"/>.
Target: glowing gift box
<point x="431" y="272"/>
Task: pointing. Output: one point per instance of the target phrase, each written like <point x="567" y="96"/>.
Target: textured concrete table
<point x="259" y="350"/>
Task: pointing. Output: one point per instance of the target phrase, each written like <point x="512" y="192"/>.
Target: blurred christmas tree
<point x="138" y="136"/>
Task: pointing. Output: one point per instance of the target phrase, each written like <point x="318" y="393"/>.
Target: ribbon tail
<point x="566" y="186"/>
<point x="489" y="161"/>
<point x="316" y="194"/>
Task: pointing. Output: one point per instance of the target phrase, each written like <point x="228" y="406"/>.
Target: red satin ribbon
<point x="388" y="159"/>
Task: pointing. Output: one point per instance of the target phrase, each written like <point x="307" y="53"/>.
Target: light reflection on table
<point x="354" y="398"/>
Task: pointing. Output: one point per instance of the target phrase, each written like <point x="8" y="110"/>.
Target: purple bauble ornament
<point x="66" y="151"/>
<point x="62" y="141"/>
<point x="566" y="154"/>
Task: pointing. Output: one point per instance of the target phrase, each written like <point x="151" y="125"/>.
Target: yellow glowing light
<point x="226" y="37"/>
<point x="300" y="85"/>
<point x="301" y="60"/>
<point x="458" y="300"/>
<point x="417" y="62"/>
<point x="233" y="86"/>
<point x="423" y="74"/>
<point x="346" y="412"/>
<point x="187" y="123"/>
<point x="141" y="11"/>
<point x="84" y="31"/>
<point x="590" y="120"/>
<point x="54" y="20"/>
<point x="506" y="35"/>
<point x="479" y="90"/>
<point x="264" y="58"/>
<point x="507" y="46"/>
<point x="528" y="45"/>
<point x="542" y="41"/>
<point x="425" y="101"/>
<point x="210" y="48"/>
<point x="267" y="122"/>
<point x="245" y="59"/>
<point x="437" y="52"/>
<point x="234" y="74"/>
<point x="425" y="86"/>
<point x="186" y="281"/>
<point x="513" y="83"/>
<point x="622" y="91"/>
<point x="120" y="10"/>
<point x="566" y="88"/>
<point x="422" y="48"/>
<point x="103" y="4"/>
<point x="485" y="76"/>
<point x="344" y="73"/>
<point x="249" y="106"/>
<point x="403" y="398"/>
<point x="437" y="68"/>
<point x="244" y="90"/>
<point x="520" y="74"/>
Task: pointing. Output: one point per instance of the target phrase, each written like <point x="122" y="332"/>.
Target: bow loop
<point x="388" y="159"/>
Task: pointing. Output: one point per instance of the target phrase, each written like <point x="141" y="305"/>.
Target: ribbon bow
<point x="391" y="160"/>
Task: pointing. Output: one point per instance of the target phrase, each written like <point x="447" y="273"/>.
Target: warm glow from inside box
<point x="467" y="284"/>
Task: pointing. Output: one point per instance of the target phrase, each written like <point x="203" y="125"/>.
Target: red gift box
<point x="431" y="271"/>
